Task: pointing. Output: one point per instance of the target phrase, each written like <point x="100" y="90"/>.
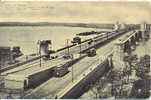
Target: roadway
<point x="54" y="85"/>
<point x="73" y="50"/>
<point x="28" y="69"/>
<point x="29" y="65"/>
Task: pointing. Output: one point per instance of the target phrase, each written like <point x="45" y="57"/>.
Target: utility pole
<point x="72" y="71"/>
<point x="40" y="57"/>
<point x="68" y="46"/>
<point x="0" y="68"/>
<point x="107" y="36"/>
<point x="67" y="52"/>
<point x="26" y="57"/>
<point x="80" y="49"/>
<point x="38" y="47"/>
<point x="86" y="43"/>
<point x="40" y="51"/>
<point x="72" y="74"/>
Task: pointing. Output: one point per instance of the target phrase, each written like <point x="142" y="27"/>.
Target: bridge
<point x="86" y="69"/>
<point x="128" y="41"/>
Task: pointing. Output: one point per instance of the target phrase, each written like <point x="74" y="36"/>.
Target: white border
<point x="85" y="0"/>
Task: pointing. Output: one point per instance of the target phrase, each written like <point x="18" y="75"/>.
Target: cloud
<point x="87" y="12"/>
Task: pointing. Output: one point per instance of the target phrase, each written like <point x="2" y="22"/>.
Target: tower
<point x="118" y="54"/>
<point x="44" y="47"/>
<point x="145" y="31"/>
<point x="119" y="50"/>
<point x="145" y="36"/>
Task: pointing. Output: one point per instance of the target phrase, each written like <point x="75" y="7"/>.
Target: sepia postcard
<point x="75" y="50"/>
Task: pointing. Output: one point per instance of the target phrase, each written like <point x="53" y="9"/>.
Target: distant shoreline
<point x="85" y="25"/>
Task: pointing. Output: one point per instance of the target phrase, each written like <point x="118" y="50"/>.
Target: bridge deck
<point x="31" y="62"/>
<point x="34" y="67"/>
<point x="127" y="37"/>
<point x="53" y="86"/>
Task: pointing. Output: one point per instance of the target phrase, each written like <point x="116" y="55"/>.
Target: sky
<point x="79" y="12"/>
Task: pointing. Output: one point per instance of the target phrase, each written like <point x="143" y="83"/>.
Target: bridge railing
<point x="92" y="67"/>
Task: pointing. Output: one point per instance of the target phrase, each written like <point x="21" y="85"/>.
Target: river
<point x="28" y="36"/>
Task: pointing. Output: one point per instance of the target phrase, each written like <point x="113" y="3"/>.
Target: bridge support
<point x="133" y="42"/>
<point x="119" y="50"/>
<point x="118" y="55"/>
<point x="127" y="47"/>
<point x="140" y="34"/>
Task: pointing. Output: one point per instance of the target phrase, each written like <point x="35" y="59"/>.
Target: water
<point x="27" y="37"/>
